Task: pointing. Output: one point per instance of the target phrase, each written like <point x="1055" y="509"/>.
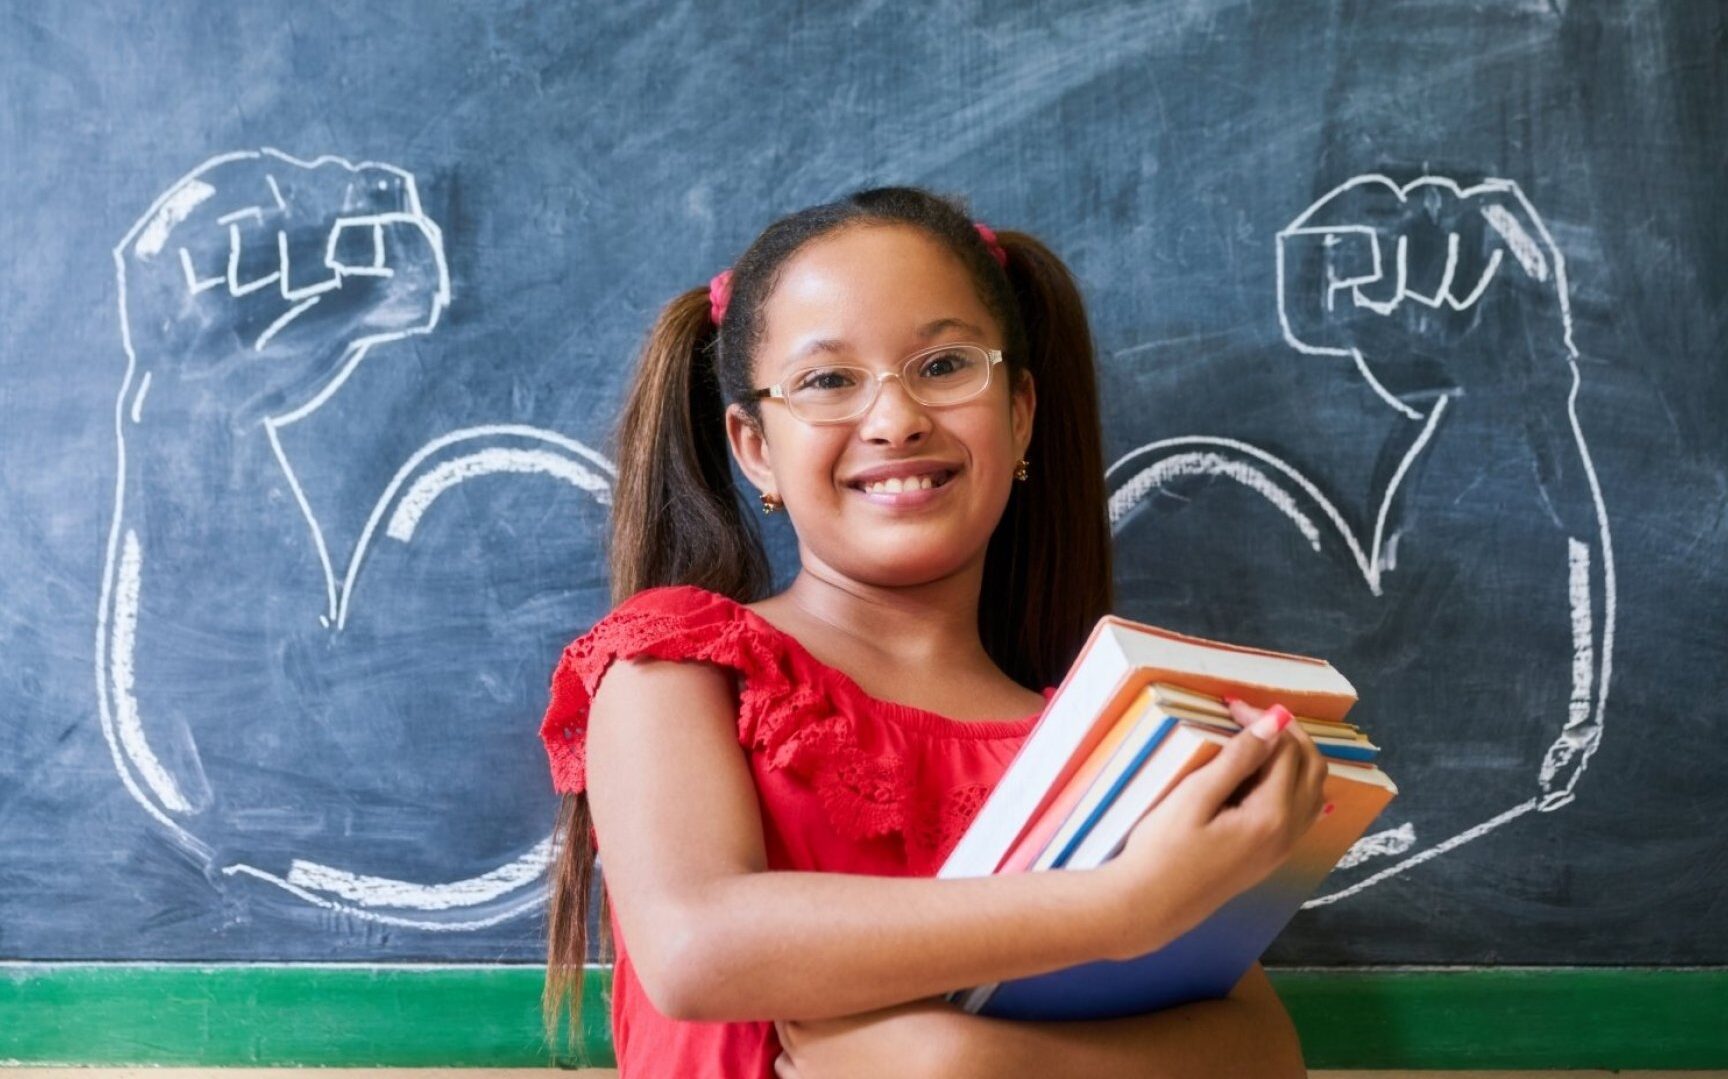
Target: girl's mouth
<point x="913" y="490"/>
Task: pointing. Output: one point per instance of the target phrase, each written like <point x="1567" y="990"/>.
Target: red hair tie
<point x="719" y="295"/>
<point x="990" y="241"/>
<point x="720" y="285"/>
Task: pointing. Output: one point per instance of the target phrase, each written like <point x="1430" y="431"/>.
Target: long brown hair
<point x="678" y="518"/>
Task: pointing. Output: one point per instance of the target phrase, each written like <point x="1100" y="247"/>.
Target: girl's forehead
<point x="883" y="278"/>
<point x="873" y="248"/>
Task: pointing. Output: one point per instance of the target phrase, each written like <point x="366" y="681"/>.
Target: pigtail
<point x="1047" y="572"/>
<point x="675" y="520"/>
<point x="676" y="517"/>
<point x="570" y="905"/>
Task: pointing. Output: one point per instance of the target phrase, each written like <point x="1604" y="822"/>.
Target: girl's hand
<point x="1220" y="831"/>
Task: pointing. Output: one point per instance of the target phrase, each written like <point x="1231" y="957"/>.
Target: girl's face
<point x="878" y="293"/>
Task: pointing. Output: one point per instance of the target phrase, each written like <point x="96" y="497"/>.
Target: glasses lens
<point x="948" y="375"/>
<point x="942" y="376"/>
<point x="821" y="394"/>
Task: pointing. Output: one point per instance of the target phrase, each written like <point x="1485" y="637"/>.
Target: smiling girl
<point x="777" y="778"/>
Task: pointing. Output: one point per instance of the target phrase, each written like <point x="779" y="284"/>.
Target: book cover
<point x="1207" y="961"/>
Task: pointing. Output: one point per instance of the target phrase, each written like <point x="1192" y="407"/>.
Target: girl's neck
<point x="918" y="627"/>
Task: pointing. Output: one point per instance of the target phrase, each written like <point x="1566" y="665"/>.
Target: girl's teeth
<point x="896" y="485"/>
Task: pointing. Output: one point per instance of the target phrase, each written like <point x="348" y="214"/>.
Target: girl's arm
<point x="1247" y="1034"/>
<point x="715" y="936"/>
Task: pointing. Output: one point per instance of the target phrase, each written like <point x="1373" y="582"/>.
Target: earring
<point x="769" y="503"/>
<point x="1020" y="469"/>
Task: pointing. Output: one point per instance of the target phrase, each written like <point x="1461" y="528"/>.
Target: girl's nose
<point x="894" y="415"/>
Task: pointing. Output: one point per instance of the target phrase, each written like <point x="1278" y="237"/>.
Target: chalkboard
<point x="315" y="319"/>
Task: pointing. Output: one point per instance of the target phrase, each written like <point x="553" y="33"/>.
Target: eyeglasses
<point x="935" y="377"/>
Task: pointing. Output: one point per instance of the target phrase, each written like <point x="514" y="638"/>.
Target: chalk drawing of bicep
<point x="1377" y="272"/>
<point x="433" y="471"/>
<point x="249" y="294"/>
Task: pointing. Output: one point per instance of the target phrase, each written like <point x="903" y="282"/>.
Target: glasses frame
<point x="878" y="377"/>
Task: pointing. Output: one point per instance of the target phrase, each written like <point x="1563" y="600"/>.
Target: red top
<point x="847" y="783"/>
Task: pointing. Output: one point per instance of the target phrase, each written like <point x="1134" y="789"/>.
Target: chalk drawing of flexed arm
<point x="250" y="293"/>
<point x="1402" y="264"/>
<point x="1449" y="304"/>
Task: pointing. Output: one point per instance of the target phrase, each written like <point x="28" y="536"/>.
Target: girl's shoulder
<point x="686" y="621"/>
<point x="668" y="622"/>
<point x="680" y="612"/>
<point x="677" y="622"/>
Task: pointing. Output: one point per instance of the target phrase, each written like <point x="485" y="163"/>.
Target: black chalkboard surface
<point x="314" y="320"/>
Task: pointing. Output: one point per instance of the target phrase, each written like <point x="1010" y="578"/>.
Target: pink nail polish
<point x="1283" y="716"/>
<point x="1273" y="720"/>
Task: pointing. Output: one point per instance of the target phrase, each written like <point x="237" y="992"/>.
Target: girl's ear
<point x="749" y="448"/>
<point x="1023" y="404"/>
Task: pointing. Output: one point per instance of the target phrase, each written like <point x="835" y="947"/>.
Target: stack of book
<point x="1141" y="708"/>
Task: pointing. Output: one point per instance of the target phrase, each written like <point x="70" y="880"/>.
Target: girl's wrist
<point x="1112" y="911"/>
<point x="1130" y="923"/>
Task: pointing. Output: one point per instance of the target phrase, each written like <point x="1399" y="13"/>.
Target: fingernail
<point x="1276" y="719"/>
<point x="1232" y="700"/>
<point x="1327" y="809"/>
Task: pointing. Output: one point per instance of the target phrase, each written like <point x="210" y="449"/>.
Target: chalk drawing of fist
<point x="255" y="276"/>
<point x="281" y="627"/>
<point x="1406" y="279"/>
<point x="1450" y="304"/>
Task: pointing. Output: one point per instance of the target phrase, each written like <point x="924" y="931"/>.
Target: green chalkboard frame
<point x="198" y="1015"/>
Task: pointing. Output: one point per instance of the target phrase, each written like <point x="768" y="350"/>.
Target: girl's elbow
<point x="673" y="974"/>
<point x="670" y="999"/>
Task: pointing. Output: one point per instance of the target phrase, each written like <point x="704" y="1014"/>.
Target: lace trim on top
<point x="793" y="709"/>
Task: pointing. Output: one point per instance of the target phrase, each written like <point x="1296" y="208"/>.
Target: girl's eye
<point x="825" y="379"/>
<point x="945" y="365"/>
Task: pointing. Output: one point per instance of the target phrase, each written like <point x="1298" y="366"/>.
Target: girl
<point x="776" y="778"/>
